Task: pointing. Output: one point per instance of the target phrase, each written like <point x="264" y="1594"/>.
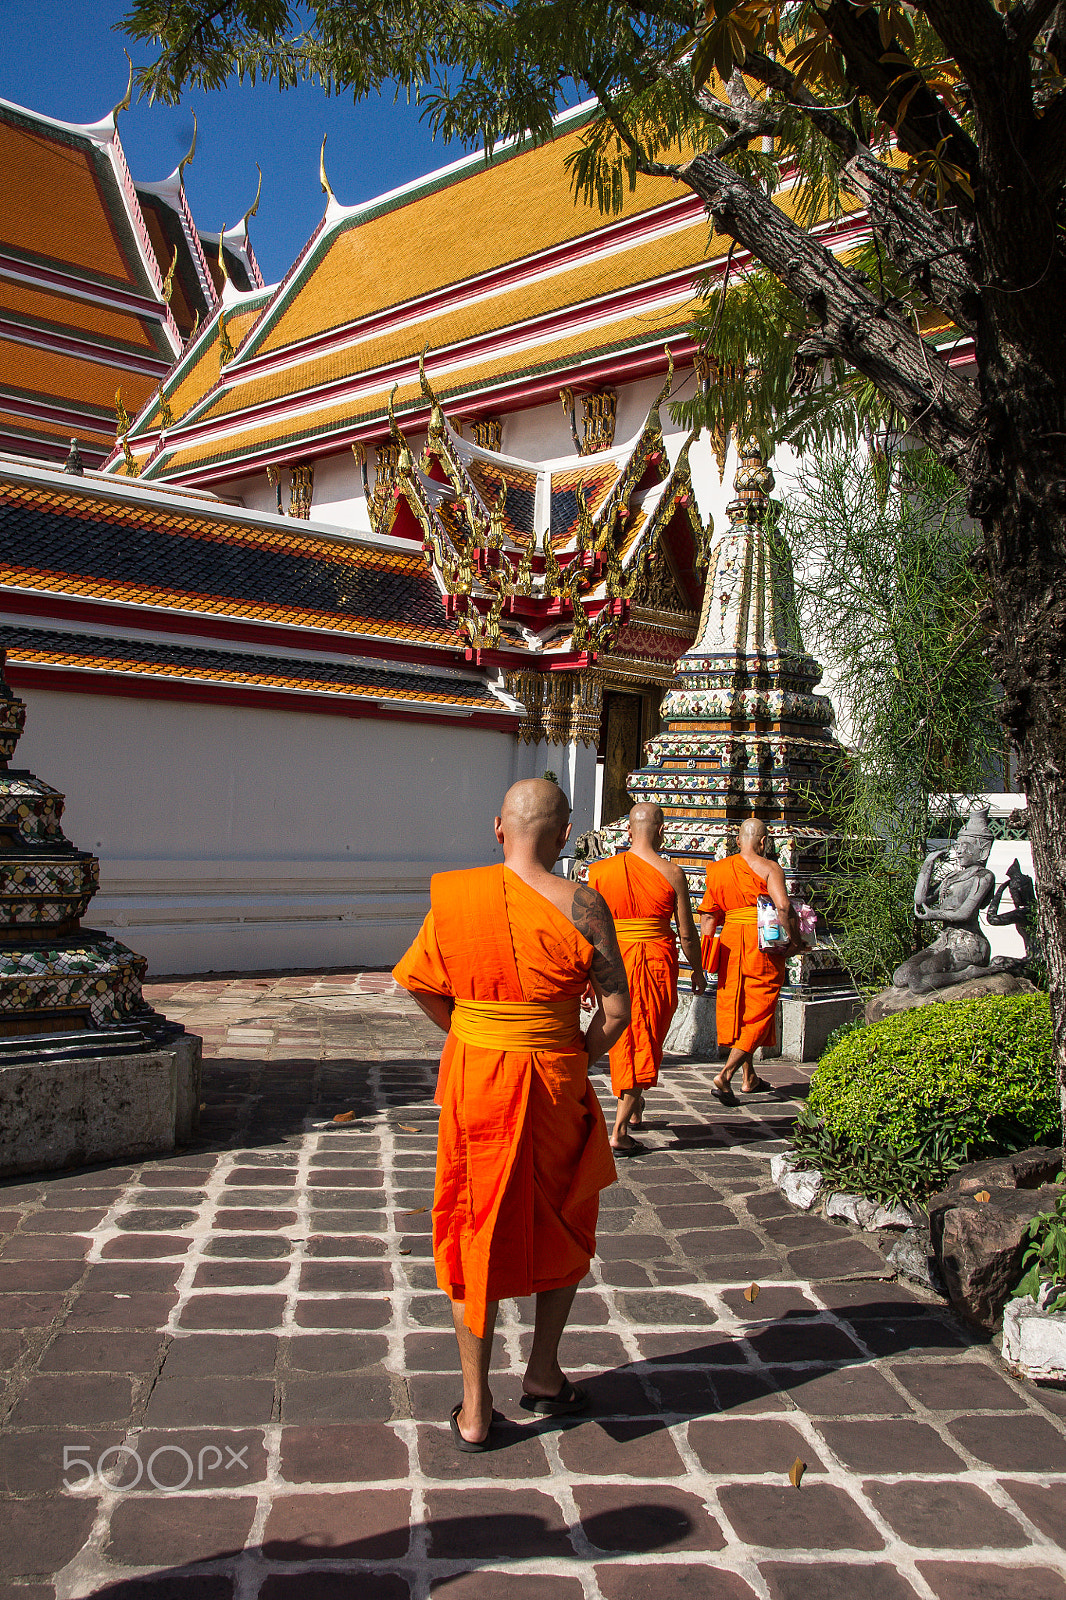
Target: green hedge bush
<point x="983" y="1065"/>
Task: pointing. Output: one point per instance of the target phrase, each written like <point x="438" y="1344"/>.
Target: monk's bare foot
<point x="723" y="1091"/>
<point x="474" y="1422"/>
<point x="544" y="1385"/>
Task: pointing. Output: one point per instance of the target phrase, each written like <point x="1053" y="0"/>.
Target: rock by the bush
<point x="910" y="1257"/>
<point x="800" y="1187"/>
<point x="1025" y="1169"/>
<point x="851" y="1208"/>
<point x="979" y="1245"/>
<point x="892" y="1000"/>
<point x="1034" y="1339"/>
<point x="893" y="1217"/>
<point x="781" y="1164"/>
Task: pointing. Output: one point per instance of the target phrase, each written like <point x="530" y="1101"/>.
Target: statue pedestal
<point x="61" y="1106"/>
<point x="804" y="1023"/>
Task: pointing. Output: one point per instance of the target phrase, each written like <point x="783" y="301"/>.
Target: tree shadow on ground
<point x="654" y="1523"/>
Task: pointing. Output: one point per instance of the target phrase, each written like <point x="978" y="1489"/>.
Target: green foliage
<point x="886" y="596"/>
<point x="1045" y="1255"/>
<point x="878" y="1171"/>
<point x="981" y="1068"/>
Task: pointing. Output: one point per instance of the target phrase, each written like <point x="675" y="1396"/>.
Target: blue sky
<point x="63" y="58"/>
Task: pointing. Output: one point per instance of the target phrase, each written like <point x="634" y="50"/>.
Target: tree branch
<point x="927" y="120"/>
<point x="849" y="321"/>
<point x="920" y="245"/>
<point x="1028" y="23"/>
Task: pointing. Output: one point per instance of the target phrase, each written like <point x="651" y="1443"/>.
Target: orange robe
<point x="632" y="888"/>
<point x="522" y="1148"/>
<point x="749" y="979"/>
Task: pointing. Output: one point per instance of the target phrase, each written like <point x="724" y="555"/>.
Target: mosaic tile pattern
<point x="55" y="978"/>
<point x="266" y="1297"/>
<point x="97" y="976"/>
<point x="30" y="808"/>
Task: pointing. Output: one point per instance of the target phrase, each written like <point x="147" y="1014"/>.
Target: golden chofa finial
<point x="127" y="99"/>
<point x="254" y="207"/>
<point x="222" y="257"/>
<point x="331" y="198"/>
<point x="184" y="162"/>
<point x="436" y="416"/>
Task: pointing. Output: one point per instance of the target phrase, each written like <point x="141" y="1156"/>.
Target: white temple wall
<point x="238" y="839"/>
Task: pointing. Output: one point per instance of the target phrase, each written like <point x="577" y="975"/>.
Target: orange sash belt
<point x="519" y="1024"/>
<point x="746" y="916"/>
<point x="643" y="927"/>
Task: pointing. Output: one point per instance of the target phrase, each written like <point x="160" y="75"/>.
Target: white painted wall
<point x="238" y="839"/>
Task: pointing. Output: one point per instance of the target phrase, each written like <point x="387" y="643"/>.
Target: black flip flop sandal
<point x="633" y="1149"/>
<point x="566" y="1403"/>
<point x="725" y="1096"/>
<point x="469" y="1447"/>
<point x="760" y="1086"/>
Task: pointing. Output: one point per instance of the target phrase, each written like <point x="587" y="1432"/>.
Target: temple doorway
<point x="625" y="728"/>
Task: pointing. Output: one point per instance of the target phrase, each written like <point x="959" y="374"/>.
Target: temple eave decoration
<point x="550" y="561"/>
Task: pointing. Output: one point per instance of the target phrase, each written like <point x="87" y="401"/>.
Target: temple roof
<point x="112" y="586"/>
<point x="490" y="265"/>
<point x="101" y="281"/>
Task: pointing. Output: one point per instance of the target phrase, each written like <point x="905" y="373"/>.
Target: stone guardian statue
<point x="953" y="887"/>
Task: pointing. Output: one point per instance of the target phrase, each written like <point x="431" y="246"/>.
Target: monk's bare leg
<point x="544" y="1376"/>
<point x="474" y="1357"/>
<point x="636" y="1120"/>
<point x="738" y="1058"/>
<point x="628" y="1101"/>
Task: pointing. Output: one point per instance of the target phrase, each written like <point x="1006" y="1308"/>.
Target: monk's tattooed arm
<point x="591" y="917"/>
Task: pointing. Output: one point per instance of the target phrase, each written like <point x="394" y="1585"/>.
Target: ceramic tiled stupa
<point x="87" y="1069"/>
<point x="743" y="732"/>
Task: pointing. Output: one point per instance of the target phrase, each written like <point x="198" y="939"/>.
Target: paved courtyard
<point x="228" y="1372"/>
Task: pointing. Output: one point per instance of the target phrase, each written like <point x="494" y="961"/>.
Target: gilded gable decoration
<point x="487" y="433"/>
<point x="599" y="418"/>
<point x="549" y="559"/>
<point x="303" y="487"/>
<point x="274" y="480"/>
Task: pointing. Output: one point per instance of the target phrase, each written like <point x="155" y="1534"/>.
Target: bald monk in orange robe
<point x="500" y="964"/>
<point x="749" y="979"/>
<point x="643" y="889"/>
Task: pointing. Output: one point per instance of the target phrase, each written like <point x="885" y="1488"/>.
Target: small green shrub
<point x="1046" y="1254"/>
<point x="878" y="1171"/>
<point x="982" y="1066"/>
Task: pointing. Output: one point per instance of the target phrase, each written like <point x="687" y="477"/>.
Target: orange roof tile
<point x="45" y="373"/>
<point x="74" y="226"/>
<point x="63" y="311"/>
<point x="514" y="206"/>
<point x="558" y="354"/>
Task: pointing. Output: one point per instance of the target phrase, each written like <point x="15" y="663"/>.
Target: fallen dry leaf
<point x="408" y="1127"/>
<point x="405" y="1252"/>
<point x="416" y="1211"/>
<point x="796" y="1471"/>
<point x="982" y="1194"/>
<point x="345" y="1116"/>
<point x="751" y="1293"/>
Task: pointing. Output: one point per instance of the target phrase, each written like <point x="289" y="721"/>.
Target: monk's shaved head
<point x="751" y="832"/>
<point x="534" y="808"/>
<point x="645" y="820"/>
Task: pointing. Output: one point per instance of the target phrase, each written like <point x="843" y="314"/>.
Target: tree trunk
<point x="1027" y="560"/>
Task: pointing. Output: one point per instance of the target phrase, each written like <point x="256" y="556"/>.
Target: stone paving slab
<point x="227" y="1372"/>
